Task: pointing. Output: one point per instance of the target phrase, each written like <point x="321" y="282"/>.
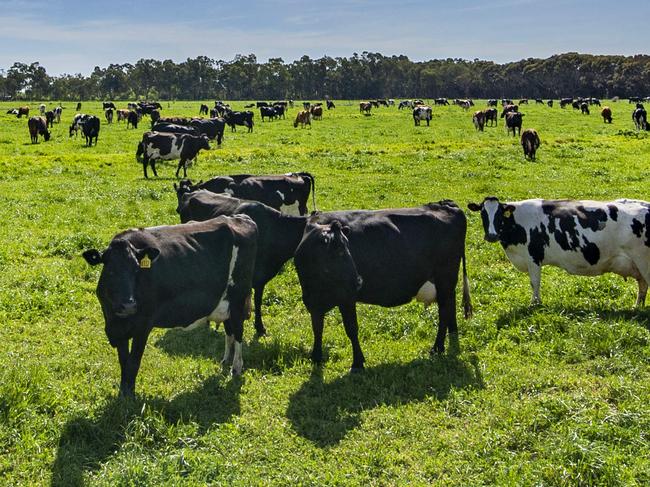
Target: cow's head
<point x="184" y="187"/>
<point x="204" y="143"/>
<point x="47" y="135"/>
<point x="327" y="272"/>
<point x="495" y="216"/>
<point x="122" y="265"/>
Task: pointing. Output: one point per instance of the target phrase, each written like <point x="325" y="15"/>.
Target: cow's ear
<point x="474" y="207"/>
<point x="147" y="256"/>
<point x="508" y="210"/>
<point x="93" y="256"/>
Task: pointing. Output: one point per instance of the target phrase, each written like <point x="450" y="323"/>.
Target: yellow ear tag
<point x="145" y="263"/>
<point x="507" y="213"/>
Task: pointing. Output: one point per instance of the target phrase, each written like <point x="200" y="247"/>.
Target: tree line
<point x="365" y="76"/>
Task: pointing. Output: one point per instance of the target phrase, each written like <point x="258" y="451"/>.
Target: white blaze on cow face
<point x="491" y="207"/>
<point x="427" y="293"/>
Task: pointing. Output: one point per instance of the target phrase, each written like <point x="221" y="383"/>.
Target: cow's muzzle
<point x="126" y="309"/>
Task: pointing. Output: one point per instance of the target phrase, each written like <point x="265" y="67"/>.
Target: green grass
<point x="552" y="395"/>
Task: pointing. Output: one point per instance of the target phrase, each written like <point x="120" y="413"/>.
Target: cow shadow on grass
<point x="88" y="442"/>
<point x="512" y="317"/>
<point x="264" y="353"/>
<point x="325" y="412"/>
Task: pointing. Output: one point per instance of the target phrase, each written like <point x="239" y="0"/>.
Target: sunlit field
<point x="556" y="394"/>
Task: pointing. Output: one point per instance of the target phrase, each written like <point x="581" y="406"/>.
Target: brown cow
<point x="123" y="114"/>
<point x="365" y="107"/>
<point x="23" y="111"/>
<point x="479" y="120"/>
<point x="303" y="118"/>
<point x="38" y="126"/>
<point x="530" y="143"/>
<point x="606" y="113"/>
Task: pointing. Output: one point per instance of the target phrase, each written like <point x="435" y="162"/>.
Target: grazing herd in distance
<point x="182" y="138"/>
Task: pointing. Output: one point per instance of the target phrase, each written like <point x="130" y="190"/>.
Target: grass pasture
<point x="557" y="394"/>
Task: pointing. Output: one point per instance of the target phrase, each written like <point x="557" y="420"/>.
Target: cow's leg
<point x="229" y="342"/>
<point x="317" y="322"/>
<point x="130" y="362"/>
<point x="180" y="163"/>
<point x="259" y="325"/>
<point x="643" y="291"/>
<point x="535" y="275"/>
<point x="349" y="315"/>
<point x="446" y="298"/>
<point x="153" y="167"/>
<point x="237" y="328"/>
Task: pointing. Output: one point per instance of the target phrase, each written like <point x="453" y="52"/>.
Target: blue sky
<point x="74" y="36"/>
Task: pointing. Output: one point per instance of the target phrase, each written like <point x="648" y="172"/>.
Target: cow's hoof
<point x="261" y="332"/>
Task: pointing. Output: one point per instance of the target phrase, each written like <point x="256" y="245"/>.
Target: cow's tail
<point x="313" y="187"/>
<point x="467" y="300"/>
<point x="139" y="152"/>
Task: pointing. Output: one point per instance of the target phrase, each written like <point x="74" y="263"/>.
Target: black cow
<point x="420" y="113"/>
<point x="78" y="106"/>
<point x="384" y="257"/>
<point x="513" y="121"/>
<point x="565" y="101"/>
<point x="172" y="128"/>
<point x="169" y="276"/>
<point x="330" y="104"/>
<point x="268" y="112"/>
<point x="278" y="234"/>
<point x="155" y="116"/>
<point x="492" y="102"/>
<point x="108" y="113"/>
<point x="239" y="118"/>
<point x="212" y="128"/>
<point x="530" y="143"/>
<point x="132" y="120"/>
<point x="491" y="115"/>
<point x="261" y="104"/>
<point x="90" y="129"/>
<point x="49" y="118"/>
<point x="550" y="103"/>
<point x="166" y="146"/>
<point x="280" y="111"/>
<point x="584" y="108"/>
<point x="38" y="126"/>
<point x="286" y="192"/>
<point x="107" y="105"/>
<point x="203" y="109"/>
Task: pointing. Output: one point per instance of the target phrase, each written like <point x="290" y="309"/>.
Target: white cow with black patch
<point x="586" y="238"/>
<point x="420" y="113"/>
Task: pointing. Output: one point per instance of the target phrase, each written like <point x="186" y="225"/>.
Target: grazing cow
<point x="584" y="108"/>
<point x="108" y="113"/>
<point x="77" y="121"/>
<point x="178" y="275"/>
<point x="49" y="118"/>
<point x="550" y="103"/>
<point x="441" y="101"/>
<point x="539" y="101"/>
<point x="418" y="102"/>
<point x="523" y="101"/>
<point x="330" y="104"/>
<point x="239" y="118"/>
<point x="132" y="119"/>
<point x="606" y="113"/>
<point x="261" y="104"/>
<point x="212" y="128"/>
<point x="249" y="105"/>
<point x="288" y="193"/>
<point x="422" y="112"/>
<point x="22" y="111"/>
<point x="166" y="146"/>
<point x="576" y="105"/>
<point x="176" y="120"/>
<point x="492" y="102"/>
<point x="12" y="111"/>
<point x="317" y="112"/>
<point x="491" y="115"/>
<point x="38" y="126"/>
<point x="386" y="258"/>
<point x="402" y="104"/>
<point x="90" y="129"/>
<point x="479" y="120"/>
<point x="78" y="106"/>
<point x="565" y="101"/>
<point x="41" y="109"/>
<point x="108" y="105"/>
<point x="58" y="111"/>
<point x="391" y="102"/>
<point x="530" y="143"/>
<point x="203" y="110"/>
<point x="365" y="107"/>
<point x="587" y="238"/>
<point x="303" y="118"/>
<point x="508" y="109"/>
<point x="278" y="234"/>
<point x="640" y="117"/>
<point x="172" y="128"/>
<point x="268" y="112"/>
<point x="513" y="121"/>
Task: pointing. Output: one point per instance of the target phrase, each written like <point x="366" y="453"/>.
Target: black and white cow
<point x="587" y="238"/>
<point x="173" y="128"/>
<point x="640" y="117"/>
<point x="239" y="118"/>
<point x="212" y="128"/>
<point x="420" y="113"/>
<point x="288" y="193"/>
<point x="278" y="234"/>
<point x="108" y="105"/>
<point x="513" y="122"/>
<point x="180" y="275"/>
<point x="157" y="146"/>
<point x="386" y="258"/>
<point x="268" y="112"/>
<point x="77" y="121"/>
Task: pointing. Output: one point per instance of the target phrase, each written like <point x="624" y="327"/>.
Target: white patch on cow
<point x="174" y="152"/>
<point x="281" y="194"/>
<point x="427" y="293"/>
<point x="237" y="361"/>
<point x="229" y="192"/>
<point x="491" y="207"/>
